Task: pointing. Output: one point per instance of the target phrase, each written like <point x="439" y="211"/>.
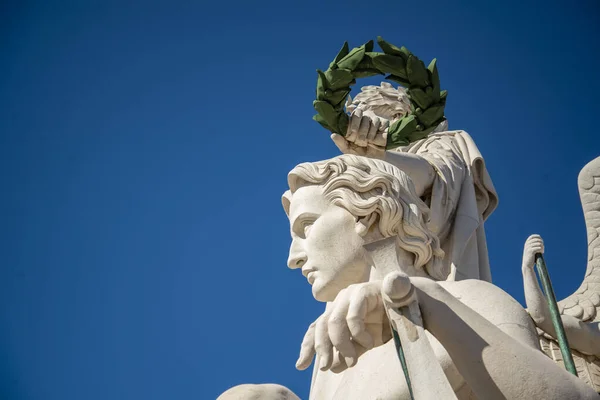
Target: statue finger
<point x="339" y="363"/>
<point x="373" y="129"/>
<point x="339" y="333"/>
<point x="535" y="244"/>
<point x="307" y="349"/>
<point x="532" y="238"/>
<point x="323" y="345"/>
<point x="363" y="131"/>
<point x="341" y="143"/>
<point x="380" y="138"/>
<point x="380" y="332"/>
<point x="357" y="313"/>
<point x="351" y="135"/>
<point x="354" y="126"/>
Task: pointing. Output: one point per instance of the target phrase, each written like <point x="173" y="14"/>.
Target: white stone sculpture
<point x="447" y="169"/>
<point x="396" y="238"/>
<point x="580" y="311"/>
<point x="487" y="347"/>
<point x="267" y="391"/>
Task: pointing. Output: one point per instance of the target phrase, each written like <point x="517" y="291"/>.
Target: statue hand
<point x="533" y="245"/>
<point x="352" y="324"/>
<point x="366" y="135"/>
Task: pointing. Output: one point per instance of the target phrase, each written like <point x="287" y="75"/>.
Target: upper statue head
<point x="385" y="101"/>
<point x="337" y="206"/>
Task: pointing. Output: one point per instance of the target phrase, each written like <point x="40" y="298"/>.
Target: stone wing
<point x="584" y="303"/>
<point x="588" y="367"/>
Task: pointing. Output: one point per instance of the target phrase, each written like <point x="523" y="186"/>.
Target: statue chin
<point x="323" y="292"/>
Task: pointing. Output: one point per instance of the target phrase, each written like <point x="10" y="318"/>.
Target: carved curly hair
<point x="364" y="186"/>
<point x="385" y="101"/>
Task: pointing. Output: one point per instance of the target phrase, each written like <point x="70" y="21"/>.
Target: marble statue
<point x="393" y="242"/>
<point x="580" y="311"/>
<point x="446" y="168"/>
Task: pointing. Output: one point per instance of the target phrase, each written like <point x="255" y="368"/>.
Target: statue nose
<point x="296" y="260"/>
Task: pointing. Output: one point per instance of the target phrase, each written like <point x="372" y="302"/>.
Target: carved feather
<point x="588" y="367"/>
<point x="584" y="304"/>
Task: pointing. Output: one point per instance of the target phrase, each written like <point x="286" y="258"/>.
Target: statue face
<point x="326" y="244"/>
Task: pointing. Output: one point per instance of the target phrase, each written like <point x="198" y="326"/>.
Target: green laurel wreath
<point x="423" y="89"/>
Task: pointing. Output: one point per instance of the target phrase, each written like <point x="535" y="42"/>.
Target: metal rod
<point x="400" y="352"/>
<point x="563" y="343"/>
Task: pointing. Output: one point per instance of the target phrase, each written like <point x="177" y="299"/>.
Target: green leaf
<point x="353" y="58"/>
<point x="321" y="121"/>
<point x="418" y="135"/>
<point x="398" y="79"/>
<point x="431" y="115"/>
<point x="399" y="142"/>
<point x="337" y="98"/>
<point x="399" y="132"/>
<point x="342" y="124"/>
<point x="326" y="111"/>
<point x="405" y="52"/>
<point x="420" y="97"/>
<point x="427" y="101"/>
<point x="365" y="73"/>
<point x="342" y="53"/>
<point x="434" y="78"/>
<point x="338" y="78"/>
<point x="321" y="84"/>
<point x="367" y="61"/>
<point x="392" y="144"/>
<point x="388" y="48"/>
<point x="416" y="71"/>
<point x="390" y="64"/>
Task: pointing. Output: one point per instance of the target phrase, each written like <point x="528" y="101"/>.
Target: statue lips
<point x="309" y="274"/>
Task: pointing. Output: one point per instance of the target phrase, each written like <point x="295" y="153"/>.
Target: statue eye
<point x="302" y="224"/>
<point x="306" y="225"/>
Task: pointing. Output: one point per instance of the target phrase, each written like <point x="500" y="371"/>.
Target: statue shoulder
<point x="266" y="391"/>
<point x="495" y="305"/>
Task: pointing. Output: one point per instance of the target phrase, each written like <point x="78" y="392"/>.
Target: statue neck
<point x="387" y="256"/>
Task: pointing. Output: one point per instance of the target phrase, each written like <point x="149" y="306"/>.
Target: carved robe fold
<point x="462" y="197"/>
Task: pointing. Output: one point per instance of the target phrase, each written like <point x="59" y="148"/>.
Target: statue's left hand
<point x="533" y="245"/>
<point x="366" y="135"/>
<point x="352" y="324"/>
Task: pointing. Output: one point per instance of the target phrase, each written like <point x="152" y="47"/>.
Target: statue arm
<point x="366" y="136"/>
<point x="583" y="336"/>
<point x="419" y="169"/>
<point x="534" y="297"/>
<point x="482" y="352"/>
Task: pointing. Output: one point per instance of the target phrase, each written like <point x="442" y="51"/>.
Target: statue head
<point x="385" y="101"/>
<point x="339" y="205"/>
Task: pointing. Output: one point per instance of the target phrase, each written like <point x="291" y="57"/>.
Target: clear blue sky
<point x="144" y="148"/>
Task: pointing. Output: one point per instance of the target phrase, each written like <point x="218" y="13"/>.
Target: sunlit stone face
<point x="325" y="244"/>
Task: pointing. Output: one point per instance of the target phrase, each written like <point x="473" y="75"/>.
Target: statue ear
<point x="364" y="224"/>
<point x="286" y="199"/>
